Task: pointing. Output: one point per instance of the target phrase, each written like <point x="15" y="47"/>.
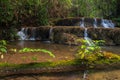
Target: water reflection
<point x="59" y="48"/>
<point x="113" y="49"/>
<point x="55" y="48"/>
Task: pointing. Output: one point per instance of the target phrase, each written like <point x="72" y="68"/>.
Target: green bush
<point x="85" y="50"/>
<point x="94" y="55"/>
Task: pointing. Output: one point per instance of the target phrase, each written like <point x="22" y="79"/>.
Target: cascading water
<point x="51" y="34"/>
<point x="95" y="23"/>
<point x="21" y="34"/>
<point x="112" y="25"/>
<point x="82" y="23"/>
<point x="85" y="33"/>
<point x="107" y="23"/>
<point x="88" y="40"/>
<point x="27" y="34"/>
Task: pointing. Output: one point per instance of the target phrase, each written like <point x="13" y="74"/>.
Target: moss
<point x="41" y="65"/>
<point x="107" y="58"/>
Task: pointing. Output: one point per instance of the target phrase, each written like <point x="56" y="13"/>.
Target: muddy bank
<point x="110" y="72"/>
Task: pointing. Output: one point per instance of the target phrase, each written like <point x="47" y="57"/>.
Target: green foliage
<point x="99" y="42"/>
<point x="84" y="50"/>
<point x="31" y="11"/>
<point x="24" y="50"/>
<point x="14" y="13"/>
<point x="95" y="8"/>
<point x="3" y="48"/>
<point x="93" y="55"/>
<point x="59" y="8"/>
<point x="6" y="11"/>
<point x="18" y="11"/>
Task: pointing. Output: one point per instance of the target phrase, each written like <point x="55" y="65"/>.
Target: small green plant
<point x="85" y="50"/>
<point x="3" y="48"/>
<point x="94" y="55"/>
<point x="24" y="50"/>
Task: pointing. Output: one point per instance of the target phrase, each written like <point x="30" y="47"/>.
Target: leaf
<point x="82" y="56"/>
<point x="83" y="47"/>
<point x="3" y="50"/>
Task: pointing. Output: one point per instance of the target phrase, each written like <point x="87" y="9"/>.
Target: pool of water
<point x="113" y="49"/>
<point x="61" y="52"/>
<point x="56" y="47"/>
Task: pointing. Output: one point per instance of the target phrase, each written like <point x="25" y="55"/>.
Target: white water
<point x="88" y="40"/>
<point x="107" y="23"/>
<point x="82" y="23"/>
<point x="24" y="36"/>
<point x="112" y="25"/>
<point x="95" y="23"/>
<point x="32" y="34"/>
<point x="21" y="34"/>
<point x="51" y="33"/>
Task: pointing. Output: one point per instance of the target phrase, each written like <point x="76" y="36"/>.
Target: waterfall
<point x="51" y="34"/>
<point x="82" y="24"/>
<point x="112" y="25"/>
<point x="34" y="33"/>
<point x="85" y="33"/>
<point x="21" y="34"/>
<point x="27" y="34"/>
<point x="95" y="23"/>
<point x="88" y="40"/>
<point x="107" y="23"/>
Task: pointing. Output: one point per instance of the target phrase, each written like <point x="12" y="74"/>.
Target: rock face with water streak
<point x="66" y="34"/>
<point x="34" y="33"/>
<point x="86" y="22"/>
<point x="111" y="36"/>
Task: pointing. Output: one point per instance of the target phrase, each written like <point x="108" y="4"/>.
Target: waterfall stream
<point x="107" y="23"/>
<point x="82" y="23"/>
<point x="95" y="23"/>
<point x="88" y="40"/>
